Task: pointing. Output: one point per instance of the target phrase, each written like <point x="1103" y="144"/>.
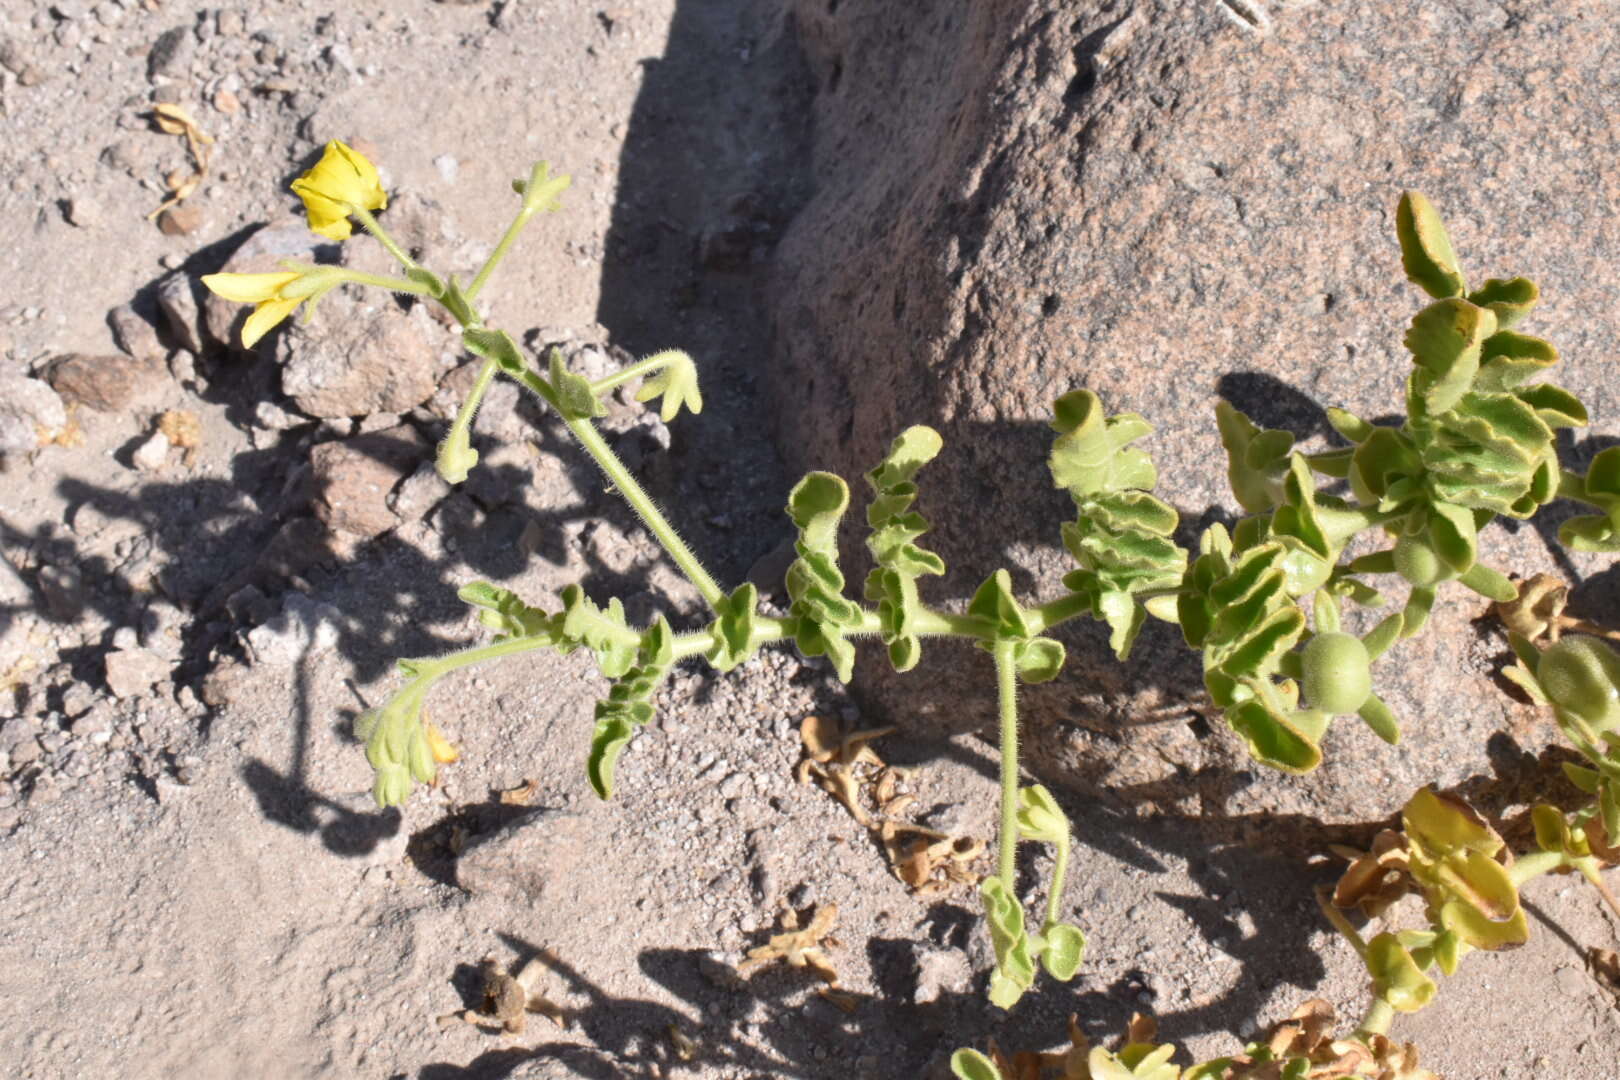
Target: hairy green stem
<point x="371" y="226"/>
<point x="469" y="405"/>
<point x="1053" y="612"/>
<point x="634" y="371"/>
<point x="1007" y="687"/>
<point x="930" y="623"/>
<point x="508" y="238"/>
<point x="1534" y="864"/>
<point x="439" y="666"/>
<point x="1060" y="872"/>
<point x="646" y="510"/>
<point x="392" y="284"/>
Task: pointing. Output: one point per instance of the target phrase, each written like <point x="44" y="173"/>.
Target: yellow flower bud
<point x="341" y="182"/>
<point x="264" y="291"/>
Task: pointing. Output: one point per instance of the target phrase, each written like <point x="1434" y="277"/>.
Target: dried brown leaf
<point x="175" y="120"/>
<point x="181" y="428"/>
<point x="551" y="1011"/>
<point x="799" y="947"/>
<point x="820" y="737"/>
<point x="1538" y="608"/>
<point x="842" y="1000"/>
<point x="842" y="785"/>
<point x="855" y="751"/>
<point x="1605" y="964"/>
<point x="1375" y="879"/>
<point x="522" y="795"/>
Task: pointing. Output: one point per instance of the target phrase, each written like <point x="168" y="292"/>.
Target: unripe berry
<point x="1582" y="675"/>
<point x="1337" y="673"/>
<point x="1419" y="563"/>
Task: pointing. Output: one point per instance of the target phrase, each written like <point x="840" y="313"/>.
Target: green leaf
<point x="603" y="631"/>
<point x="1555" y="406"/>
<point x="1039" y="817"/>
<point x="1090" y="454"/>
<point x="1426" y="252"/>
<point x="969" y="1064"/>
<point x="1349" y="425"/>
<point x="1509" y="358"/>
<point x="732" y="632"/>
<point x="1415" y="615"/>
<point x="575" y="398"/>
<point x="1015" y="970"/>
<point x="1510" y="300"/>
<point x="909" y="452"/>
<point x="1125" y="619"/>
<point x="1260" y="650"/>
<point x="612" y="735"/>
<point x="676" y="383"/>
<point x="496" y="345"/>
<point x="1452" y="536"/>
<point x="1396" y="978"/>
<point x="1491" y="584"/>
<point x="993" y="602"/>
<point x="1272" y="738"/>
<point x="1065" y="947"/>
<point x="1582" y="777"/>
<point x="816" y="504"/>
<point x="1381" y="719"/>
<point x="1381" y="637"/>
<point x="1039" y="659"/>
<point x="1256" y="459"/>
<point x="1445" y="340"/>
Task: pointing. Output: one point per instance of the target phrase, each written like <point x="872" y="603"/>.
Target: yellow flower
<point x="262" y="290"/>
<point x="338" y="184"/>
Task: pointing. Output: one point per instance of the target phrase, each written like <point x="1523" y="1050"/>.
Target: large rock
<point x="361" y="354"/>
<point x="31" y="413"/>
<point x="106" y="384"/>
<point x="354" y="477"/>
<point x="1169" y="204"/>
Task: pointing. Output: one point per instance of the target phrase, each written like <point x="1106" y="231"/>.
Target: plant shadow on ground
<point x="790" y="1033"/>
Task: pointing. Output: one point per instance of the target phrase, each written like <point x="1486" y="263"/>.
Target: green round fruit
<point x="1337" y="673"/>
<point x="1419" y="563"/>
<point x="1582" y="675"/>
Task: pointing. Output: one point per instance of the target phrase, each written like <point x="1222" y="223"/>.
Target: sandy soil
<point x="193" y="879"/>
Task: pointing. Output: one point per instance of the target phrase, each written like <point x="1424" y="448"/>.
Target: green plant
<point x="1261" y="601"/>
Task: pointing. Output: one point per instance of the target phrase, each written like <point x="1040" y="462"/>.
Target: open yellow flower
<point x="338" y="184"/>
<point x="262" y="290"/>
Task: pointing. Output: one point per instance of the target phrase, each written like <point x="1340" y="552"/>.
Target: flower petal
<point x="341" y="181"/>
<point x="264" y="319"/>
<point x="366" y="184"/>
<point x="329" y="218"/>
<point x="247" y="288"/>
